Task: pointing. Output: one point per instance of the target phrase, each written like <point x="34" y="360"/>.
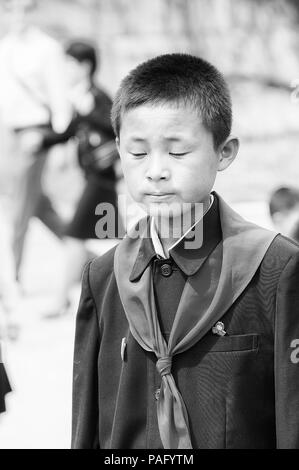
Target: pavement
<point x="39" y="363"/>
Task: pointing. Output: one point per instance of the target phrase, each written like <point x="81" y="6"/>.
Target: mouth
<point x="159" y="196"/>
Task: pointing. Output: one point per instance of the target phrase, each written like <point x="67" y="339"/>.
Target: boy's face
<point x="167" y="156"/>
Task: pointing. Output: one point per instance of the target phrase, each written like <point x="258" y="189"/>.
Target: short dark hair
<point x="283" y="199"/>
<point x="82" y="52"/>
<point x="178" y="78"/>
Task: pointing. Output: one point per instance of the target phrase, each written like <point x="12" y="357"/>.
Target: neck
<point x="170" y="230"/>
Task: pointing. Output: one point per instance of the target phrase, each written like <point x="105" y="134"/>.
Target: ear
<point x="228" y="152"/>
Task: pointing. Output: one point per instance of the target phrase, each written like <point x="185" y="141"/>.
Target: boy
<point x="181" y="345"/>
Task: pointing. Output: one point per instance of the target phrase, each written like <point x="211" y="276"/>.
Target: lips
<point x="158" y="192"/>
<point x="159" y="196"/>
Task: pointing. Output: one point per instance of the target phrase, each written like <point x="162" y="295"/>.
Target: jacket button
<point x="166" y="270"/>
<point x="157" y="394"/>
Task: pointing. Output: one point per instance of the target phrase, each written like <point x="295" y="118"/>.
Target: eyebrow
<point x="170" y="139"/>
<point x="137" y="139"/>
<point x="174" y="139"/>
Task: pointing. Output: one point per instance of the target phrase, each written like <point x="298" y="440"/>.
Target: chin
<point x="165" y="211"/>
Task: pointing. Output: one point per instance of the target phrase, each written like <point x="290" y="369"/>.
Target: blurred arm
<point x="51" y="137"/>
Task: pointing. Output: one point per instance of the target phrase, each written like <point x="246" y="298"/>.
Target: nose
<point x="157" y="168"/>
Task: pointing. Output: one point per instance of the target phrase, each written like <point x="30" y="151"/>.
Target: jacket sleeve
<point x="85" y="372"/>
<point x="287" y="357"/>
<point x="51" y="138"/>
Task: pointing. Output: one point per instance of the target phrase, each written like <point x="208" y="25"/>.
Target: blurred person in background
<point x="8" y="306"/>
<point x="97" y="155"/>
<point x="4" y="384"/>
<point x="33" y="100"/>
<point x="284" y="211"/>
<point x="9" y="294"/>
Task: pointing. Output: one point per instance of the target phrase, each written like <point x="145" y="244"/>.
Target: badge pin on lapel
<point x="123" y="348"/>
<point x="218" y="329"/>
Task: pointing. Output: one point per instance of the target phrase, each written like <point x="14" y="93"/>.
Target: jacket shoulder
<point x="281" y="251"/>
<point x="101" y="274"/>
<point x="102" y="267"/>
<point x="283" y="248"/>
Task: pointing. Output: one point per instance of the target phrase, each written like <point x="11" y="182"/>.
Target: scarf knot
<point x="163" y="365"/>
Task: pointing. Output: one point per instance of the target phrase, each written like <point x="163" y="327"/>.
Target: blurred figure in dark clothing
<point x="4" y="385"/>
<point x="97" y="154"/>
<point x="284" y="211"/>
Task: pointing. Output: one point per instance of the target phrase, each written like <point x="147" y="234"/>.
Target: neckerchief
<point x="233" y="262"/>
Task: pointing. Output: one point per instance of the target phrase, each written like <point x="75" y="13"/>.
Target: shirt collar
<point x="188" y="260"/>
<point x="156" y="239"/>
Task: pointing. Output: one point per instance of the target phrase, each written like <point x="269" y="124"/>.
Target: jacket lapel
<point x="241" y="252"/>
<point x="223" y="277"/>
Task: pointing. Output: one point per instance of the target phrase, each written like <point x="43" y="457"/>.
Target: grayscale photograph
<point x="149" y="227"/>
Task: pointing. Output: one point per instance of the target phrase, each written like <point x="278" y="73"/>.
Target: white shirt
<point x="156" y="239"/>
<point x="32" y="73"/>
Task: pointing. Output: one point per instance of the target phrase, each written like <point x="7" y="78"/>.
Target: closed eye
<point x="178" y="154"/>
<point x="138" y="154"/>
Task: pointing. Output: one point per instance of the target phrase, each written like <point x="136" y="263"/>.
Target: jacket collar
<point x="188" y="260"/>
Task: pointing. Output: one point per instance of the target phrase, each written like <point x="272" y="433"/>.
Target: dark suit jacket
<point x="240" y="390"/>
